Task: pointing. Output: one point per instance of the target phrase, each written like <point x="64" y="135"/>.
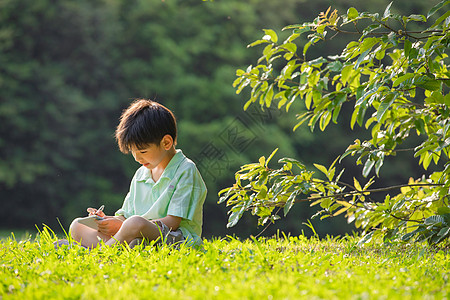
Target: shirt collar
<point x="169" y="171"/>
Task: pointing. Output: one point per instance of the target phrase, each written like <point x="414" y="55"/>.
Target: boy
<point x="167" y="192"/>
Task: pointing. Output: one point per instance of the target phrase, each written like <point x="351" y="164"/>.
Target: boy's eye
<point x="143" y="152"/>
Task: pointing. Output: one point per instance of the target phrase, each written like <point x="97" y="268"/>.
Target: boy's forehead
<point x="135" y="148"/>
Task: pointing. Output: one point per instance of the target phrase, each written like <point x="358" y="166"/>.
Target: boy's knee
<point x="74" y="229"/>
<point x="134" y="225"/>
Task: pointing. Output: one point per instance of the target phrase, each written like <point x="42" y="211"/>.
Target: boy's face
<point x="150" y="156"/>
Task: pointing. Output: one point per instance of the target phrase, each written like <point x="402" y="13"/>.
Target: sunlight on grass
<point x="265" y="268"/>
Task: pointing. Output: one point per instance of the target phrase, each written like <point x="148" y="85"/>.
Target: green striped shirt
<point x="180" y="192"/>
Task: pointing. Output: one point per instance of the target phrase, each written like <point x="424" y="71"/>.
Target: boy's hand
<point x="109" y="225"/>
<point x="94" y="211"/>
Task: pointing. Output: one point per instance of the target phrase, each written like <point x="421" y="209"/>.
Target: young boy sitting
<point x="167" y="192"/>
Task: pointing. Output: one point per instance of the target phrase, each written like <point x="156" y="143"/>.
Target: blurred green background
<point x="68" y="68"/>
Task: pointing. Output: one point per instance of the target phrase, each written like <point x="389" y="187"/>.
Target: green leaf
<point x="430" y="85"/>
<point x="406" y="237"/>
<point x="294" y="26"/>
<point x="291" y="47"/>
<point x="342" y="210"/>
<point x="303" y="118"/>
<point x="443" y="145"/>
<point x="326" y="203"/>
<point x="237" y="81"/>
<point x="308" y="100"/>
<point x="269" y="96"/>
<point x="306" y="47"/>
<point x="262" y="161"/>
<point x="285" y="160"/>
<point x="368" y="43"/>
<point x="321" y="169"/>
<point x="270" y="35"/>
<point x="325" y="120"/>
<point x="240" y="72"/>
<point x="427" y="157"/>
<point x="368" y="167"/>
<point x="271" y="156"/>
<point x="292" y="37"/>
<point x="346" y="153"/>
<point x="361" y="113"/>
<point x="317" y="62"/>
<point x="370" y="28"/>
<point x="403" y="78"/>
<point x="418" y="18"/>
<point x="434" y="220"/>
<point x="361" y="58"/>
<point x="378" y="165"/>
<point x="234" y="217"/>
<point x="437" y="7"/>
<point x="346" y="73"/>
<point x="258" y="42"/>
<point x="335" y="66"/>
<point x="435" y="98"/>
<point x="313" y="121"/>
<point x="365" y="239"/>
<point x="447" y="99"/>
<point x="443" y="210"/>
<point x="290" y="202"/>
<point x="392" y="38"/>
<point x="262" y="193"/>
<point x="441" y="18"/>
<point x="380" y="54"/>
<point x="357" y="184"/>
<point x="352" y="13"/>
<point x="339" y="100"/>
<point x="267" y="52"/>
<point x="387" y="11"/>
<point x="288" y="56"/>
<point x="420" y="126"/>
<point x="444" y="232"/>
<point x="407" y="47"/>
<point x="354" y="117"/>
<point x="387" y="101"/>
<point x="431" y="41"/>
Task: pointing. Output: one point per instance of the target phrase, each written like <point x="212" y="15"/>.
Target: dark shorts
<point x="168" y="236"/>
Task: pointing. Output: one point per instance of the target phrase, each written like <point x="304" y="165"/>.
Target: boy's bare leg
<point x="135" y="227"/>
<point x="85" y="235"/>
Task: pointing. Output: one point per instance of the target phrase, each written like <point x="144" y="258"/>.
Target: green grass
<point x="275" y="268"/>
<point x="19" y="234"/>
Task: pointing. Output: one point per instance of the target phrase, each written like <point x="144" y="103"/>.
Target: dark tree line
<point x="68" y="68"/>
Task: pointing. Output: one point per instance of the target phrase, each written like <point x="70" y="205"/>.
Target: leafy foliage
<point x="396" y="78"/>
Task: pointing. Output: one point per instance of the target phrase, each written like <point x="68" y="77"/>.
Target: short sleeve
<point x="188" y="196"/>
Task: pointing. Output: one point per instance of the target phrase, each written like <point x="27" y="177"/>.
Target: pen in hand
<point x="100" y="209"/>
<point x="100" y="212"/>
<point x="96" y="212"/>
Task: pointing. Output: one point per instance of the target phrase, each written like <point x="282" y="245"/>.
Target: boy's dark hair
<point x="144" y="122"/>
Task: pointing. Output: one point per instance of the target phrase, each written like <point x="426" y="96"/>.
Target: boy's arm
<point x="172" y="222"/>
<point x="120" y="217"/>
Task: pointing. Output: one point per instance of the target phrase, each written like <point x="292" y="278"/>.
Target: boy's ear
<point x="167" y="142"/>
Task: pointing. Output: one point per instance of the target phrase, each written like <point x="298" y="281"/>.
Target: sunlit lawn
<point x="269" y="268"/>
